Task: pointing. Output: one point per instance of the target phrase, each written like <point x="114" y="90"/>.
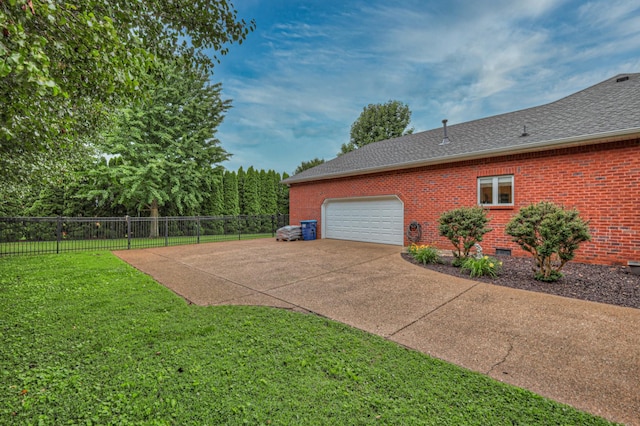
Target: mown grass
<point x="69" y="245"/>
<point x="86" y="339"/>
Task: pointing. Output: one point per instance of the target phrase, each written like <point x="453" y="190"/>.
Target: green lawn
<point x="68" y="245"/>
<point x="86" y="339"/>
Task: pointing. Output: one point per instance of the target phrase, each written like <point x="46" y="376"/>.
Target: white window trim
<point x="494" y="190"/>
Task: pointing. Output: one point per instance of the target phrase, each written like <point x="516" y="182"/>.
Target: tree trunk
<point x="155" y="232"/>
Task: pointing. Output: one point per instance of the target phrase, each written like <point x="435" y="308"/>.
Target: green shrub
<point x="551" y="234"/>
<point x="480" y="266"/>
<point x="464" y="227"/>
<point x="424" y="254"/>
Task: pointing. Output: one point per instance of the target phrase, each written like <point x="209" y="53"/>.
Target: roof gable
<point x="608" y="109"/>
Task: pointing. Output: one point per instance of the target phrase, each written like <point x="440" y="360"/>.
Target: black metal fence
<point x="39" y="235"/>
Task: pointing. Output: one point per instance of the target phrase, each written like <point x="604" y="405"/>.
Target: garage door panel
<point x="369" y="220"/>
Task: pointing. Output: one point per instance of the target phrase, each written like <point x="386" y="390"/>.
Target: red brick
<point x="600" y="181"/>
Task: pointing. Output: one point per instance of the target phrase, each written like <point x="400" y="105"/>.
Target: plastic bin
<point x="308" y="229"/>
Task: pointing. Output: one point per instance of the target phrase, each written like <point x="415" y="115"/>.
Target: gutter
<point x="582" y="140"/>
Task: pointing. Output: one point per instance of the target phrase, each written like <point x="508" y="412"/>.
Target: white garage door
<point x="374" y="220"/>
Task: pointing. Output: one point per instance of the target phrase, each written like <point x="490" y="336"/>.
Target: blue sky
<point x="305" y="74"/>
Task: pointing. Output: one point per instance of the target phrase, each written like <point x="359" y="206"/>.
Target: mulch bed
<point x="614" y="285"/>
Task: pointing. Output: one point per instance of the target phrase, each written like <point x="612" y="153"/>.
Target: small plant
<point x="549" y="277"/>
<point x="464" y="227"/>
<point x="481" y="266"/>
<point x="424" y="254"/>
<point x="551" y="234"/>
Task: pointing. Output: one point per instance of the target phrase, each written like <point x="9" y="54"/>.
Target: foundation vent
<point x="503" y="252"/>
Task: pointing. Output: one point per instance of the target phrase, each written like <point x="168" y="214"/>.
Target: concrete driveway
<point x="580" y="353"/>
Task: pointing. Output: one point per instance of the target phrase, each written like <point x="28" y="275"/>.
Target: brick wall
<point x="601" y="181"/>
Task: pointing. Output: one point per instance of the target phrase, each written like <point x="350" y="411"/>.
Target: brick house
<point x="582" y="151"/>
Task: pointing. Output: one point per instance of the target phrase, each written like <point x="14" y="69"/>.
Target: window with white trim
<point x="495" y="191"/>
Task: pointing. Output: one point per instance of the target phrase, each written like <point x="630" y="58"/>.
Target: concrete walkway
<point x="580" y="353"/>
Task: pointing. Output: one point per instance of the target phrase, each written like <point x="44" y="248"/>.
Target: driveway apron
<point x="580" y="353"/>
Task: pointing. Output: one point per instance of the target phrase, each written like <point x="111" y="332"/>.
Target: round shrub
<point x="551" y="234"/>
<point x="464" y="227"/>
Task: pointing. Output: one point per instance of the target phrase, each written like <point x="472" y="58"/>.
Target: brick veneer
<point x="602" y="181"/>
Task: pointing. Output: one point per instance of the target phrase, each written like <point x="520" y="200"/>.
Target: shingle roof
<point x="606" y="110"/>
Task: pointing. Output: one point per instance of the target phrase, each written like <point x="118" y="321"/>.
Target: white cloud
<point x="619" y="16"/>
<point x="310" y="78"/>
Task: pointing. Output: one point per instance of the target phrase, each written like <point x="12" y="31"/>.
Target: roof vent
<point x="524" y="132"/>
<point x="621" y="79"/>
<point x="445" y="140"/>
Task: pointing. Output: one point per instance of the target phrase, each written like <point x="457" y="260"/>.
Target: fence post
<point x="198" y="227"/>
<point x="239" y="229"/>
<point x="166" y="231"/>
<point x="273" y="225"/>
<point x="58" y="234"/>
<point x="126" y="218"/>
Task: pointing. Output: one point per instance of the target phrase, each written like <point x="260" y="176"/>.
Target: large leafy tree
<point x="165" y="146"/>
<point x="308" y="165"/>
<point x="65" y="65"/>
<point x="378" y="122"/>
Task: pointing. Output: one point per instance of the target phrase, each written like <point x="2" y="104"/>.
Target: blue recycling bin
<point x="308" y="229"/>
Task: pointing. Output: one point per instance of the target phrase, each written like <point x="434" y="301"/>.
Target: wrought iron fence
<point x="39" y="235"/>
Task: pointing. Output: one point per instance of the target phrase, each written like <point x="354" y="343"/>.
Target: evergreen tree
<point x="59" y="197"/>
<point x="268" y="196"/>
<point x="241" y="178"/>
<point x="283" y="195"/>
<point x="214" y="202"/>
<point x="251" y="199"/>
<point x="231" y="202"/>
<point x="50" y="202"/>
<point x="215" y="194"/>
<point x="275" y="179"/>
<point x="230" y="194"/>
<point x="251" y="194"/>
